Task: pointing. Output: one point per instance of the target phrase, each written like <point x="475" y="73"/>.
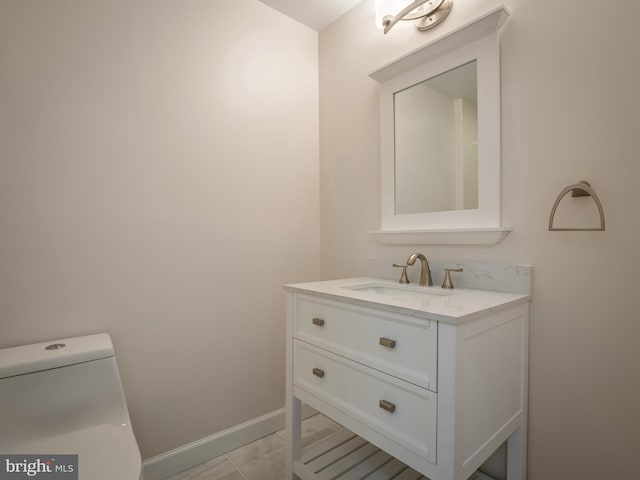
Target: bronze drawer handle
<point x="388" y="406"/>
<point x="318" y="372"/>
<point x="318" y="321"/>
<point x="387" y="342"/>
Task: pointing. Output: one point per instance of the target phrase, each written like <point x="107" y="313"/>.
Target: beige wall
<point x="159" y="181"/>
<point x="570" y="75"/>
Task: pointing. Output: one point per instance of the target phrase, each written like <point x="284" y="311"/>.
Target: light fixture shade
<point x="388" y="8"/>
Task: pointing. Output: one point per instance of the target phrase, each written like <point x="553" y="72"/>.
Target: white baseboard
<point x="182" y="458"/>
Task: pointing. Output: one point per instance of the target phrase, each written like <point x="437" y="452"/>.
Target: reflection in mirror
<point x="436" y="143"/>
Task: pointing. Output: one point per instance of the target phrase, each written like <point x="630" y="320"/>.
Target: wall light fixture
<point x="425" y="14"/>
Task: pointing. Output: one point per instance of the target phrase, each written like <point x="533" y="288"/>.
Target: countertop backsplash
<point x="481" y="275"/>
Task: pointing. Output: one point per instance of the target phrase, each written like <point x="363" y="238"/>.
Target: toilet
<point x="66" y="397"/>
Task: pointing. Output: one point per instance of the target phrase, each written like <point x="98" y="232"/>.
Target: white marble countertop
<point x="451" y="306"/>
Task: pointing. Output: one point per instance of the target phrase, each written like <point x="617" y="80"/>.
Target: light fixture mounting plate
<point x="435" y="18"/>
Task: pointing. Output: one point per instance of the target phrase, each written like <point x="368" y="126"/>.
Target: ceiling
<point x="316" y="14"/>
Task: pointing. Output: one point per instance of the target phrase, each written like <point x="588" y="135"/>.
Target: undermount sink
<point x="400" y="291"/>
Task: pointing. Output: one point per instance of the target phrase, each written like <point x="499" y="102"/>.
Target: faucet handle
<point x="403" y="277"/>
<point x="447" y="277"/>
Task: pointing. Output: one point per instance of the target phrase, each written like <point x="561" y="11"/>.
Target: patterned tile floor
<point x="260" y="460"/>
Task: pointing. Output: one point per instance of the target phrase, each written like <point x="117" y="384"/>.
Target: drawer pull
<point x="388" y="406"/>
<point x="318" y="372"/>
<point x="318" y="321"/>
<point x="387" y="342"/>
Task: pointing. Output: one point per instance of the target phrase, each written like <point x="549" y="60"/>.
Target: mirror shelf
<point x="440" y="139"/>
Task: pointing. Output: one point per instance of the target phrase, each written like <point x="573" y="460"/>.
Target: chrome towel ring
<point x="580" y="189"/>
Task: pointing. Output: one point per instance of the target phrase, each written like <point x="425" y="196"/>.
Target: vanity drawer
<point x="403" y="412"/>
<point x="399" y="345"/>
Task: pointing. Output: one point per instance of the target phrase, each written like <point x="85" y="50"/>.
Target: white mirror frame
<point x="478" y="41"/>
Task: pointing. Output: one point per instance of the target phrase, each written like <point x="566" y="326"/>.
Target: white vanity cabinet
<point x="439" y="393"/>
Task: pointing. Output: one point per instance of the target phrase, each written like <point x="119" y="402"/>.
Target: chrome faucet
<point x="425" y="271"/>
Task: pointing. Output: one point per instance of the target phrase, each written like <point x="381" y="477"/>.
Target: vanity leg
<point x="293" y="406"/>
<point x="293" y="437"/>
<point x="517" y="455"/>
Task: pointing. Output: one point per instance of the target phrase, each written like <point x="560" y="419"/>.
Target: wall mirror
<point x="436" y="143"/>
<point x="440" y="139"/>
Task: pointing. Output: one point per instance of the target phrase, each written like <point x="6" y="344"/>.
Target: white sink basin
<point x="400" y="291"/>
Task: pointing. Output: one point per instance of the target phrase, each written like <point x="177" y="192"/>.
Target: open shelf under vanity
<point x="346" y="456"/>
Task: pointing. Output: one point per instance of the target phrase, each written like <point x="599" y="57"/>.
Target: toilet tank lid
<point x="37" y="357"/>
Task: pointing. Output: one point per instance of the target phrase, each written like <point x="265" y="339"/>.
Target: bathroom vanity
<point x="424" y="377"/>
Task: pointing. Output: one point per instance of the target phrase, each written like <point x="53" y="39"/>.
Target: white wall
<point x="159" y="181"/>
<point x="570" y="75"/>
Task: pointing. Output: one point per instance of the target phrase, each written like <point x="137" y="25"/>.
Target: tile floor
<point x="260" y="460"/>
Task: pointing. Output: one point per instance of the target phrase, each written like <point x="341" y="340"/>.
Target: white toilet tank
<point x="65" y="396"/>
